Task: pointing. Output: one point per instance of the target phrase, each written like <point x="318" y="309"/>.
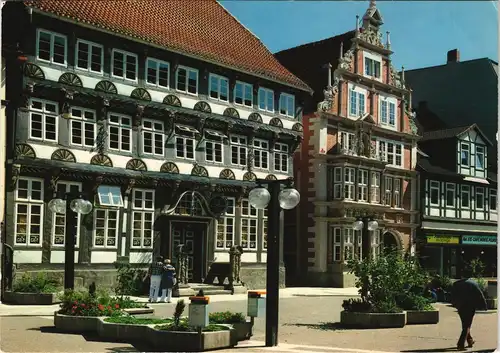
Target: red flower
<point x="101" y="307"/>
<point x="109" y="307"/>
<point x="117" y="306"/>
<point x="74" y="307"/>
<point x="76" y="302"/>
<point x="83" y="305"/>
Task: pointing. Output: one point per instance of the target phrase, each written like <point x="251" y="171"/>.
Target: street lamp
<point x="71" y="203"/>
<point x="275" y="197"/>
<point x="366" y="225"/>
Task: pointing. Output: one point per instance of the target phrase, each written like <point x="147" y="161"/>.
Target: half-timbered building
<point x="164" y="113"/>
<point x="358" y="157"/>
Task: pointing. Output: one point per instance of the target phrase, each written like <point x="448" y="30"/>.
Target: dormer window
<point x="89" y="56"/>
<point x="51" y="47"/>
<point x="219" y="87"/>
<point x="464" y="154"/>
<point x="266" y="99"/>
<point x="479" y="157"/>
<point x="124" y="65"/>
<point x="157" y="73"/>
<point x="372" y="68"/>
<point x="243" y="94"/>
<point x="186" y="79"/>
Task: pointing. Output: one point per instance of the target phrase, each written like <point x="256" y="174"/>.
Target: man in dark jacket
<point x="467" y="297"/>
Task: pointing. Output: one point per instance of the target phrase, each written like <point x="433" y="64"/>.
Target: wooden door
<point x="192" y="235"/>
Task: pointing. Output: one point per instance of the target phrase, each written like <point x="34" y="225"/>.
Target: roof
<point x="451" y="132"/>
<point x="200" y="29"/>
<point x="308" y="62"/>
<point x="460" y="93"/>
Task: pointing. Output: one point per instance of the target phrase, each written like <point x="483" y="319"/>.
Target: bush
<point x="132" y="320"/>
<point x="356" y="305"/>
<point x="130" y="281"/>
<point x="226" y="317"/>
<point x="41" y="283"/>
<point x="475" y="268"/>
<point x="414" y="302"/>
<point x="184" y="327"/>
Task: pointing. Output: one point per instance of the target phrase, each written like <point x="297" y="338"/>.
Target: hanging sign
<point x="479" y="240"/>
<point x="442" y="239"/>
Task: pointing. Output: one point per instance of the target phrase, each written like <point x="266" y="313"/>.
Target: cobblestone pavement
<point x="308" y="324"/>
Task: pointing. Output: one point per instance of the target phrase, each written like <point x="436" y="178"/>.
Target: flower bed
<point x="244" y="329"/>
<point x="37" y="290"/>
<point x="23" y="298"/>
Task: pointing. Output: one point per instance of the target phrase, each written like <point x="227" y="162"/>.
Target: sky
<point x="422" y="32"/>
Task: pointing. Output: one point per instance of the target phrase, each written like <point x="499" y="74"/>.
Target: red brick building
<point x="359" y="153"/>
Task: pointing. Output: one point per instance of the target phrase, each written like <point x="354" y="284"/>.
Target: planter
<point x="76" y="324"/>
<point x="417" y="317"/>
<point x="372" y="320"/>
<point x="19" y="298"/>
<point x="492" y="303"/>
<point x="122" y="332"/>
<point x="492" y="289"/>
<point x="244" y="330"/>
<point x="171" y="341"/>
<point x="139" y="311"/>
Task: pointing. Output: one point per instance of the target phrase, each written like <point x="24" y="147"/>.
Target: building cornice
<point x="371" y="83"/>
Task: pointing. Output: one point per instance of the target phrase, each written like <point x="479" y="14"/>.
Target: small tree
<point x="179" y="309"/>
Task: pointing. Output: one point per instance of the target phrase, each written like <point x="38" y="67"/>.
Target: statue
<point x="182" y="266"/>
<point x="235" y="263"/>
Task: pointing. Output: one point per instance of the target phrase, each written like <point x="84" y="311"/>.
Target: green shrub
<point x="179" y="309"/>
<point x="184" y="327"/>
<point x="226" y="317"/>
<point x="475" y="268"/>
<point x="130" y="281"/>
<point x="410" y="301"/>
<point x="132" y="320"/>
<point x="443" y="282"/>
<point x="41" y="283"/>
<point x="356" y="305"/>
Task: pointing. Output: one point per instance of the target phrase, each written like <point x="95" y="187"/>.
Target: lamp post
<point x="275" y="197"/>
<point x="366" y="225"/>
<point x="72" y="202"/>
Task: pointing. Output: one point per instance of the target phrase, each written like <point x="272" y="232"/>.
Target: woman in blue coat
<point x="167" y="281"/>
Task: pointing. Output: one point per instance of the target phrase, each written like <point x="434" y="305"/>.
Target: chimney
<point x="453" y="56"/>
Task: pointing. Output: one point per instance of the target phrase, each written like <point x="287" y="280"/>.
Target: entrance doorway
<point x="390" y="242"/>
<point x="192" y="235"/>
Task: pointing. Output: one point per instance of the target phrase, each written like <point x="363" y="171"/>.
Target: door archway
<point x="391" y="242"/>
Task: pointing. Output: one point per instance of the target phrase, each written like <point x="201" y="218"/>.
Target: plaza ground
<point x="308" y="323"/>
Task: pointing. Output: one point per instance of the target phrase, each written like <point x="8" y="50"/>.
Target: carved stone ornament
<point x="27" y="92"/>
<point x="139" y="111"/>
<point x="372" y="36"/>
<point x="70" y="79"/>
<point x="54" y="178"/>
<point x="202" y="106"/>
<point x="106" y="87"/>
<point x="395" y="78"/>
<point x="141" y="94"/>
<point x="172" y="100"/>
<point x="24" y="150"/>
<point x="249" y="176"/>
<point x="329" y="95"/>
<point x="276" y="122"/>
<point x="347" y="61"/>
<point x="136" y="164"/>
<point x="169" y="167"/>
<point x="255" y="117"/>
<point x="64" y="155"/>
<point x="227" y="174"/>
<point x="231" y="112"/>
<point x="235" y="253"/>
<point x="101" y="159"/>
<point x="200" y="171"/>
<point x="271" y="177"/>
<point x="129" y="186"/>
<point x="34" y="71"/>
<point x="412" y="116"/>
<point x="15" y="173"/>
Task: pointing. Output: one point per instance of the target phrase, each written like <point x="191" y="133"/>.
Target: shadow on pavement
<point x="325" y="326"/>
<point x="449" y="349"/>
<point x="51" y="329"/>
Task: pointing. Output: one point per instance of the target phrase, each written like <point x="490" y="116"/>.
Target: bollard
<point x="198" y="312"/>
<point x="256" y="306"/>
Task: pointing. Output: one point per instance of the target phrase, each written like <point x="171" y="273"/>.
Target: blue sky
<point x="421" y="31"/>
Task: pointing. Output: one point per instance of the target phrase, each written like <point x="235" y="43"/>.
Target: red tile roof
<point x="201" y="28"/>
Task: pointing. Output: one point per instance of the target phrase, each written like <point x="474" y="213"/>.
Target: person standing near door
<point x="155" y="272"/>
<point x="167" y="282"/>
<point x="467" y="297"/>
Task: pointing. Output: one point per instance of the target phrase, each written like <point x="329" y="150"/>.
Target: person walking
<point x="155" y="272"/>
<point x="167" y="282"/>
<point x="467" y="297"/>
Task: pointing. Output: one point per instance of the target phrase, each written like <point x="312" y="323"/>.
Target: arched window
<point x="189" y="205"/>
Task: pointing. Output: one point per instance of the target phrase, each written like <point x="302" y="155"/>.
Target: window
<point x="225" y="226"/>
<point x="357" y="103"/>
<point x="397" y="193"/>
<point x="184" y="147"/>
<point x="105" y="228"/>
<point x="142" y="218"/>
<point x="388" y="191"/>
<point x="281" y="157"/>
<point x="337" y="244"/>
<point x="110" y="196"/>
<point x="152" y="137"/>
<point x="239" y="150"/>
<point x="493" y="200"/>
<point x="120" y="132"/>
<point x="375" y="188"/>
<point x="348" y="243"/>
<point x="337" y="183"/>
<point x="248" y="226"/>
<point x="465" y="196"/>
<point x="347" y="143"/>
<point x="349" y="179"/>
<point x="43" y="120"/>
<point x="59" y="219"/>
<point x="372" y="67"/>
<point x="243" y="94"/>
<point x="358" y="236"/>
<point x="51" y="47"/>
<point x="391" y="153"/>
<point x="157" y="73"/>
<point x="450" y="195"/>
<point x="186" y="80"/>
<point x="287" y="105"/>
<point x="464" y="154"/>
<point x="434" y="192"/>
<point x="383" y="112"/>
<point x="387" y="112"/>
<point x="28" y="212"/>
<point x="219" y="87"/>
<point x="479" y="197"/>
<point x="363" y="185"/>
<point x="392" y="114"/>
<point x="376" y="243"/>
<point x="261" y="154"/>
<point x="89" y="56"/>
<point x="266" y="99"/>
<point x="213" y="147"/>
<point x="82" y="127"/>
<point x="264" y="229"/>
<point x="124" y="65"/>
<point x="479" y="157"/>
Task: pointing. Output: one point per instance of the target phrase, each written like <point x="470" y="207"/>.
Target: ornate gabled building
<point x="164" y="122"/>
<point x="359" y="152"/>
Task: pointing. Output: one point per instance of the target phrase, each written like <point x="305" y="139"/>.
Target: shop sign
<point x="442" y="239"/>
<point x="479" y="240"/>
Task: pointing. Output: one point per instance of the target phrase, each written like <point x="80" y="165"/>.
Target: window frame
<point x="89" y="56"/>
<point x="224" y="218"/>
<point x="68" y="185"/>
<point x="215" y="144"/>
<point x="337" y="244"/>
<point x="450" y="188"/>
<point x="83" y="120"/>
<point x="266" y="91"/>
<point x="465" y="189"/>
<point x="388" y="190"/>
<point x="106" y="228"/>
<point x="397" y="187"/>
<point x="219" y="79"/>
<point x="188" y="70"/>
<point x="244" y="87"/>
<point x="370" y="63"/>
<point x="154" y="133"/>
<point x="287" y="97"/>
<point x="493" y="200"/>
<point x="357" y="101"/>
<point x="346" y="142"/>
<point x="142" y="210"/>
<point x="238" y="147"/>
<point x="280" y="151"/>
<point x="185" y="147"/>
<point x="261" y="152"/>
<point x="467" y="150"/>
<point x="390" y="108"/>
<point x="338" y="183"/>
<point x="124" y="66"/>
<point x="29" y="202"/>
<point x="479" y="190"/>
<point x="157" y="62"/>
<point x="250" y="214"/>
<point x="349" y="185"/>
<point x="384" y="153"/>
<point x="482" y="154"/>
<point x="43" y="113"/>
<point x="110" y="188"/>
<point x="375" y="187"/>
<point x="362" y="185"/>
<point x="121" y="127"/>
<point x="52" y="42"/>
<point x="433" y="187"/>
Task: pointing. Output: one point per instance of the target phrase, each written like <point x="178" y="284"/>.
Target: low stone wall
<point x="19" y="298"/>
<point x="415" y="317"/>
<point x="372" y="320"/>
<point x="492" y="303"/>
<point x="171" y="341"/>
<point x="254" y="276"/>
<point x="76" y="324"/>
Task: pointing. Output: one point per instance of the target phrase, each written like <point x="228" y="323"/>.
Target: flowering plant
<point x="82" y="304"/>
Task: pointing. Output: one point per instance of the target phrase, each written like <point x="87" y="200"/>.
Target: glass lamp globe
<point x="288" y="198"/>
<point x="81" y="206"/>
<point x="372" y="225"/>
<point x="57" y="206"/>
<point x="259" y="198"/>
<point x="357" y="225"/>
